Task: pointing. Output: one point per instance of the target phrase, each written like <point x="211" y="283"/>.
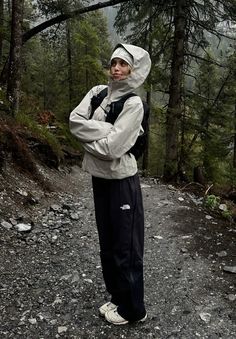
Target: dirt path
<point x="51" y="283"/>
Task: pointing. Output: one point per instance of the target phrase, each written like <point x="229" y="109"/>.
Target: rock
<point x="88" y="280"/>
<point x="53" y="322"/>
<point x="65" y="277"/>
<point x="55" y="208"/>
<point x="180" y="198"/>
<point x="145" y="186"/>
<point x="6" y="225"/>
<point x="223" y="207"/>
<point x="206" y="317"/>
<point x="53" y="239"/>
<point x="75" y="278"/>
<point x="222" y="254"/>
<point x="74" y="216"/>
<point x="13" y="221"/>
<point x="230" y="269"/>
<point x="232" y="297"/>
<point x="157" y="237"/>
<point x="184" y="250"/>
<point x="208" y="217"/>
<point x="21" y="192"/>
<point x="62" y="329"/>
<point x="57" y="301"/>
<point x="23" y="227"/>
<point x="32" y="321"/>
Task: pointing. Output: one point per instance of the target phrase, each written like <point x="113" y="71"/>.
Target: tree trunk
<point x="234" y="155"/>
<point x="1" y="28"/>
<point x="69" y="59"/>
<point x="86" y="71"/>
<point x="174" y="105"/>
<point x="205" y="136"/>
<point x="45" y="70"/>
<point x="149" y="95"/>
<point x="14" y="68"/>
<point x="9" y="7"/>
<point x="182" y="153"/>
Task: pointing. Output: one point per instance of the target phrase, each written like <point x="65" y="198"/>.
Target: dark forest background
<point x="53" y="52"/>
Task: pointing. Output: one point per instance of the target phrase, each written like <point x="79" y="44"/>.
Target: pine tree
<point x="14" y="69"/>
<point x="186" y="23"/>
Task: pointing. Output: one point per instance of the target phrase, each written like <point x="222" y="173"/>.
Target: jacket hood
<point x="140" y="69"/>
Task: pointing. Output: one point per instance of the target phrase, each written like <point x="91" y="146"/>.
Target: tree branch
<point x="62" y="17"/>
<point x="210" y="61"/>
<point x="212" y="106"/>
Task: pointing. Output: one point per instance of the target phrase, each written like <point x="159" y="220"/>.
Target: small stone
<point x="21" y="192"/>
<point x="65" y="277"/>
<point x="145" y="186"/>
<point x="206" y="317"/>
<point x="158" y="237"/>
<point x="57" y="301"/>
<point x="40" y="300"/>
<point x="208" y="217"/>
<point x="232" y="297"/>
<point x="88" y="280"/>
<point x="32" y="321"/>
<point x="23" y="227"/>
<point x="181" y="199"/>
<point x="74" y="216"/>
<point x="13" y="221"/>
<point x="54" y="238"/>
<point x="6" y="225"/>
<point x="230" y="269"/>
<point x="222" y="254"/>
<point x="41" y="317"/>
<point x="55" y="208"/>
<point x="184" y="250"/>
<point x="223" y="207"/>
<point x="75" y="278"/>
<point x="53" y="321"/>
<point x="62" y="329"/>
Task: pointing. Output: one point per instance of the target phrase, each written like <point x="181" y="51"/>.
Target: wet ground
<point x="51" y="283"/>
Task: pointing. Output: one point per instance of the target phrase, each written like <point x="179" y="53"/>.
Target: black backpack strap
<point x="116" y="108"/>
<point x="142" y="141"/>
<point x="97" y="100"/>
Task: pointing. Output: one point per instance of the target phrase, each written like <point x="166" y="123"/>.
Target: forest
<point x="52" y="52"/>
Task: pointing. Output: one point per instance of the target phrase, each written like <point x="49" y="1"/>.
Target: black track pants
<point x="120" y="222"/>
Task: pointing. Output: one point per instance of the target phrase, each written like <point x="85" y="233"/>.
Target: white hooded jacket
<point x="106" y="145"/>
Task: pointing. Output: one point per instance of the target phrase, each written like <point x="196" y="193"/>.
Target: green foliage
<point x="156" y="142"/>
<point x="205" y="134"/>
<point x="40" y="132"/>
<point x="208" y="121"/>
<point x="45" y="82"/>
<point x="211" y="201"/>
<point x="66" y="138"/>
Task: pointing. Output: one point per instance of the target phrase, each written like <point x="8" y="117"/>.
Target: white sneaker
<point x="106" y="307"/>
<point x="114" y="318"/>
